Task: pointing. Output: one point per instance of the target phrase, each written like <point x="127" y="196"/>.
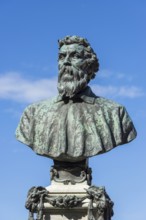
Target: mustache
<point x="71" y="80"/>
<point x="68" y="67"/>
<point x="70" y="72"/>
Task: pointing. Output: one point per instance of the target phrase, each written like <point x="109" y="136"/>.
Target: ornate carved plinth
<point x="70" y="196"/>
<point x="66" y="172"/>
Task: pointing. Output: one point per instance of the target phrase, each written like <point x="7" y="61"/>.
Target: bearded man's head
<point x="77" y="65"/>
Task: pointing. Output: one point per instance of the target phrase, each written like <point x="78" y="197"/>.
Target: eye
<point x="76" y="55"/>
<point x="61" y="56"/>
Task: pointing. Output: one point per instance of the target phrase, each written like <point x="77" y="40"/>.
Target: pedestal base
<point x="66" y="215"/>
<point x="69" y="197"/>
<point x="66" y="195"/>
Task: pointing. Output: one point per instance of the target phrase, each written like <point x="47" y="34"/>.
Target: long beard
<point x="71" y="81"/>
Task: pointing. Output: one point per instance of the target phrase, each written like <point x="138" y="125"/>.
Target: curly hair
<point x="91" y="58"/>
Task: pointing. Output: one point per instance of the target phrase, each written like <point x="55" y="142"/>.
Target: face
<point x="72" y="55"/>
<point x="72" y="74"/>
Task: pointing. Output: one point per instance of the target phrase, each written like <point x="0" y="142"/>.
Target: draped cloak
<point x="75" y="129"/>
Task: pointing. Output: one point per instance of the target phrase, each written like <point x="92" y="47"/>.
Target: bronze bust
<point x="76" y="124"/>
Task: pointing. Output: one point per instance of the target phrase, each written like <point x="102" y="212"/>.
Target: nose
<point x="67" y="61"/>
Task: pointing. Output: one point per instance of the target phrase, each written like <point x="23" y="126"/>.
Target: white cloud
<point x="14" y="86"/>
<point x="112" y="75"/>
<point x="121" y="91"/>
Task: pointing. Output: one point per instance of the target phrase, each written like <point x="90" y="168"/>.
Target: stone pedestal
<point x="70" y="196"/>
<point x="60" y="190"/>
<point x="66" y="215"/>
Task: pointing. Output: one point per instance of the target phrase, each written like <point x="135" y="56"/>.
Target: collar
<point x="86" y="95"/>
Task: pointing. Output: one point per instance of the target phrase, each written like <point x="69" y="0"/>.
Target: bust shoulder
<point x="107" y="103"/>
<point x="44" y="104"/>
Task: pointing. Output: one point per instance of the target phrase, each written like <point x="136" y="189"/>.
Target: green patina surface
<point x="75" y="129"/>
<point x="77" y="124"/>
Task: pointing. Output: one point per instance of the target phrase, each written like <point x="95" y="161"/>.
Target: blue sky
<point x="28" y="72"/>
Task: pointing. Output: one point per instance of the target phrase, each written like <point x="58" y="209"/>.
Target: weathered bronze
<point x="76" y="124"/>
<point x="37" y="196"/>
<point x="104" y="205"/>
<point x="68" y="172"/>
